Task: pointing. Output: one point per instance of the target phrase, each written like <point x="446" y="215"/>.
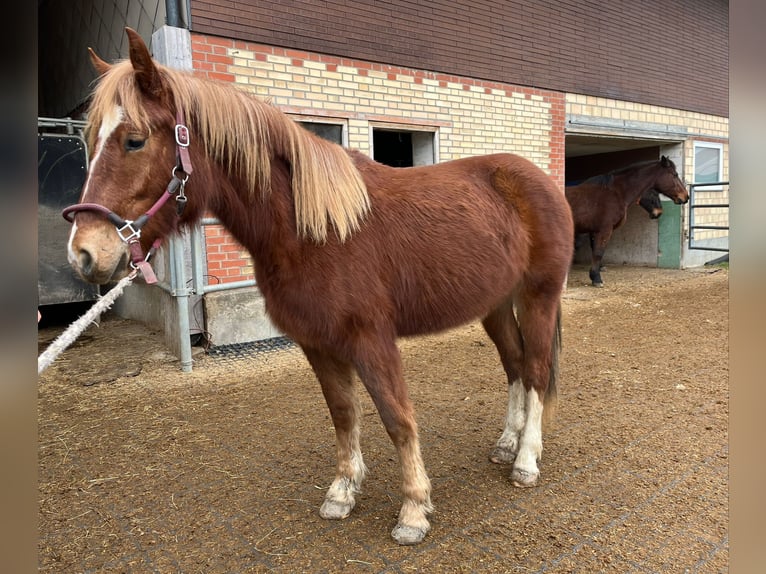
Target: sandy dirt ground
<point x="143" y="468"/>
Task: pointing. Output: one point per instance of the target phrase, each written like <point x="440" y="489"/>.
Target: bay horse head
<point x="669" y="184"/>
<point x="139" y="158"/>
<point x="650" y="201"/>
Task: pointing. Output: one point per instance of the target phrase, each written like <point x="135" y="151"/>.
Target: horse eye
<point x="134" y="144"/>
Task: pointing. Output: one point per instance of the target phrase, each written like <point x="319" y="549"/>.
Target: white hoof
<point x="524" y="478"/>
<point x="335" y="510"/>
<point x="409" y="535"/>
<point x="502" y="455"/>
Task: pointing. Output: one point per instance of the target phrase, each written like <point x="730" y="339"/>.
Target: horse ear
<point x="147" y="75"/>
<point x="665" y="162"/>
<point x="99" y="65"/>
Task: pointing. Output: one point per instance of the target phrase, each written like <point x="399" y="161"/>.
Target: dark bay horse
<point x="600" y="203"/>
<point x="349" y="254"/>
<point x="650" y="201"/>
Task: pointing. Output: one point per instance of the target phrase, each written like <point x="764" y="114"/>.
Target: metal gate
<point x="709" y="217"/>
<point x="62" y="163"/>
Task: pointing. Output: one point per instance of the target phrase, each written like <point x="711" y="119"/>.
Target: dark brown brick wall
<point x="670" y="53"/>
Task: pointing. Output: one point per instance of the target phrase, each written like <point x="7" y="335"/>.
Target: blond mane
<point x="242" y="133"/>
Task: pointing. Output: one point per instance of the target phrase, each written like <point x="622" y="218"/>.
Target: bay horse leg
<point x="379" y="366"/>
<point x="337" y="382"/>
<point x="539" y="323"/>
<point x="598" y="243"/>
<point x="503" y="330"/>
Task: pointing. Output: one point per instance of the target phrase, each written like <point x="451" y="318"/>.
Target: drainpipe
<point x="171" y="46"/>
<point x="173" y="13"/>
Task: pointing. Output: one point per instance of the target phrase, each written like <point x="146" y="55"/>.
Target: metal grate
<point x="719" y="188"/>
<point x="250" y="349"/>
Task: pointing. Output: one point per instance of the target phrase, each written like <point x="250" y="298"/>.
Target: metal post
<point x="181" y="295"/>
<point x="172" y="46"/>
<point x="198" y="265"/>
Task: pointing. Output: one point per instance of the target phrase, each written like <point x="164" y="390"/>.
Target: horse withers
<point x="600" y="203"/>
<point x="349" y="254"/>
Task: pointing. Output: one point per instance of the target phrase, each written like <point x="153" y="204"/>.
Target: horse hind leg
<point x="540" y="326"/>
<point x="379" y="367"/>
<point x="503" y="330"/>
<point x="336" y="380"/>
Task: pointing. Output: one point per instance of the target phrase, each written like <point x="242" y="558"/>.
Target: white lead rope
<point x="75" y="329"/>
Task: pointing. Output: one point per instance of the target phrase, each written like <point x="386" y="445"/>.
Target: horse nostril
<point x="85" y="261"/>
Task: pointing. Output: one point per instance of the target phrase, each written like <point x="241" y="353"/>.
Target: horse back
<point x="441" y="245"/>
<point x="462" y="234"/>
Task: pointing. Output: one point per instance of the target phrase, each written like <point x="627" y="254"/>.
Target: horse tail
<point x="551" y="395"/>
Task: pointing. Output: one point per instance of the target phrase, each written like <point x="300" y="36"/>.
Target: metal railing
<point x="182" y="287"/>
<point x="697" y="206"/>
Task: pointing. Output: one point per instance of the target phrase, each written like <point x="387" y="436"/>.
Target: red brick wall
<point x="227" y="260"/>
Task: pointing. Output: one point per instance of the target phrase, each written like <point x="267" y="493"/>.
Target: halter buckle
<point x="132" y="234"/>
<point x="182" y="135"/>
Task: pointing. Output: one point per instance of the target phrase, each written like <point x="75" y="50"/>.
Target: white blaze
<point x="111" y="121"/>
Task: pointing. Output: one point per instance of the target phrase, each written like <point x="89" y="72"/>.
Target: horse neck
<point x="258" y="221"/>
<point x="636" y="183"/>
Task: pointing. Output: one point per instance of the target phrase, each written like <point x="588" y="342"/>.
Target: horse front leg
<point x="379" y="366"/>
<point x="598" y="243"/>
<point x="336" y="379"/>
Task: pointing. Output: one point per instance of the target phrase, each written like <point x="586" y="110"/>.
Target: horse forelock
<point x="244" y="134"/>
<point x="116" y="88"/>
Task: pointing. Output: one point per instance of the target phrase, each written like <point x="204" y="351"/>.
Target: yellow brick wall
<point x="470" y="117"/>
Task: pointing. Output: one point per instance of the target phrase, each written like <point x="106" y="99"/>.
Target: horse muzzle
<point x="98" y="256"/>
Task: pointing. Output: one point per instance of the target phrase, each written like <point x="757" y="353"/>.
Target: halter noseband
<point x="130" y="230"/>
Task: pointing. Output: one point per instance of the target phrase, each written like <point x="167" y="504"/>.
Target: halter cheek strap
<point x="130" y="230"/>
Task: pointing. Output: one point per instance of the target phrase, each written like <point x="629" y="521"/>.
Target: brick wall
<point x="468" y="116"/>
<point x="672" y="54"/>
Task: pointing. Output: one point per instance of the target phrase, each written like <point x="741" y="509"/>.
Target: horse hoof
<point x="601" y="284"/>
<point x="502" y="455"/>
<point x="335" y="510"/>
<point x="523" y="478"/>
<point x="408" y="535"/>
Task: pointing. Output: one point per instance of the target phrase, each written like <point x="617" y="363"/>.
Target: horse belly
<point x="445" y="294"/>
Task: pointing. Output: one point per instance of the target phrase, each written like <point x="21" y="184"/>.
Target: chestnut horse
<point x="349" y="254"/>
<point x="600" y="203"/>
